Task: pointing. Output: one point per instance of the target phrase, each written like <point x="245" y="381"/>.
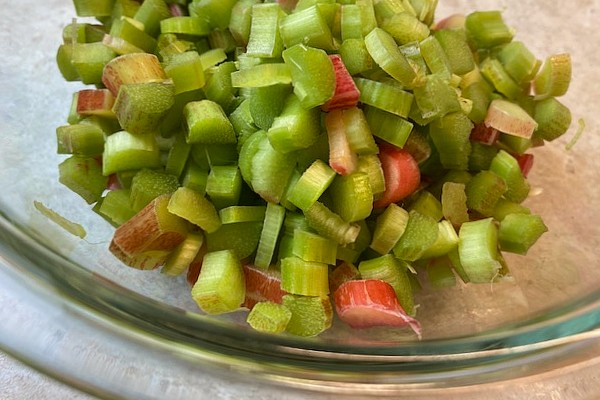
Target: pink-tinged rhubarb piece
<point x="525" y="163"/>
<point x="262" y="285"/>
<point x="341" y="157"/>
<point x="484" y="134"/>
<point x="401" y="173"/>
<point x="346" y="93"/>
<point x="510" y="118"/>
<point x="341" y="274"/>
<point x="132" y="68"/>
<point x="371" y="302"/>
<point x="95" y="102"/>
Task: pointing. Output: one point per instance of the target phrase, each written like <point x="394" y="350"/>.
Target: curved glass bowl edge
<point x="300" y="363"/>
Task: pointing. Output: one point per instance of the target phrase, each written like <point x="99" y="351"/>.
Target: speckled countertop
<point x="582" y="381"/>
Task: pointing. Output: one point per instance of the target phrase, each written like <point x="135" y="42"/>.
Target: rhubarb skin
<point x="262" y="285"/>
<point x="95" y="102"/>
<point x="341" y="157"/>
<point x="151" y="229"/>
<point x="370" y="302"/>
<point x="346" y="93"/>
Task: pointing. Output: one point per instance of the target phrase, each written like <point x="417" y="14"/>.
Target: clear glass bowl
<point x="70" y="309"/>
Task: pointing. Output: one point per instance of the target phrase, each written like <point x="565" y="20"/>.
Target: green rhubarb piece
<point x="520" y="63"/>
<point x="393" y="271"/>
<point x="125" y="28"/>
<point x="266" y="103"/>
<point x="554" y="77"/>
<point x="81" y="139"/>
<point x="71" y="227"/>
<point x="306" y="278"/>
<point x="148" y="184"/>
<point x="480" y="96"/>
<point x="311" y="185"/>
<point x="311" y="315"/>
<point x="269" y="317"/>
<point x="405" y="28"/>
<point x="518" y="232"/>
<point x="505" y="207"/>
<point x="270" y="171"/>
<point x="271" y="229"/>
<point x="262" y="75"/>
<point x="195" y="177"/>
<point x="387" y="97"/>
<point x="308" y="27"/>
<point x="312" y="247"/>
<point x="436" y="98"/>
<point x="296" y="127"/>
<point x="313" y="76"/>
<point x="124" y="151"/>
<point x="330" y="224"/>
<point x="427" y="204"/>
<point x="494" y="72"/>
<point x="478" y="250"/>
<point x="217" y="12"/>
<point x="384" y="50"/>
<point x="486" y="29"/>
<point x="178" y="156"/>
<point x="240" y="237"/>
<point x="352" y="196"/>
<point x="224" y="185"/>
<point x="553" y="118"/>
<point x="371" y="165"/>
<point x="481" y="156"/>
<point x="507" y="167"/>
<point x="185" y="26"/>
<point x="359" y="134"/>
<point x="99" y="8"/>
<point x="220" y="287"/>
<point x="454" y="203"/>
<point x="483" y="192"/>
<point x="89" y="59"/>
<point x="389" y="228"/>
<point x="236" y="214"/>
<point x="355" y="56"/>
<point x="64" y="61"/>
<point x="218" y="86"/>
<point x="83" y="175"/>
<point x="116" y="207"/>
<point x="240" y="21"/>
<point x="460" y="56"/>
<point x="207" y="123"/>
<point x="140" y="107"/>
<point x="446" y="241"/>
<point x="150" y="13"/>
<point x="439" y="273"/>
<point x="387" y="126"/>
<point x="265" y="38"/>
<point x="451" y="134"/>
<point x="186" y="71"/>
<point x="435" y="57"/>
<point x="420" y="233"/>
<point x="183" y="255"/>
<point x="195" y="208"/>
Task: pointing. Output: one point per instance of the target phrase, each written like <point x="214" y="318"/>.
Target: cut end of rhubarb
<point x="509" y="118"/>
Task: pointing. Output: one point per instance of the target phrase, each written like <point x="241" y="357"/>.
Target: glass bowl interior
<point x="554" y="290"/>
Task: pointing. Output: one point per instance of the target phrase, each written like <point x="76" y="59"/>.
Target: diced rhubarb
<point x="341" y="274"/>
<point x="113" y="182"/>
<point x="287" y="5"/>
<point x="341" y="157"/>
<point x="401" y="173"/>
<point x="453" y="22"/>
<point x="525" y="163"/>
<point x="95" y="102"/>
<point x="346" y="93"/>
<point x="262" y="285"/>
<point x="484" y="134"/>
<point x="371" y="302"/>
<point x="177" y="10"/>
<point x="152" y="229"/>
